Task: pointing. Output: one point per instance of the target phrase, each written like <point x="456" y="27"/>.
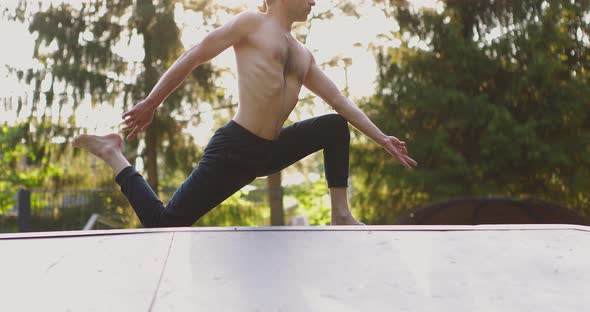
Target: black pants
<point x="235" y="157"/>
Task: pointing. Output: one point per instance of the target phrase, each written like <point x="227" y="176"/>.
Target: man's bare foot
<point x="101" y="146"/>
<point x="106" y="147"/>
<point x="345" y="220"/>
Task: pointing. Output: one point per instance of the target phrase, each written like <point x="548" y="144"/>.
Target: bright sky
<point x="327" y="39"/>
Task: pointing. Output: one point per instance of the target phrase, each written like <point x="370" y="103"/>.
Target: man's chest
<point x="295" y="61"/>
<point x="285" y="52"/>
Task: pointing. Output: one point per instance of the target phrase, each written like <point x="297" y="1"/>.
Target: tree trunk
<point x="151" y="156"/>
<point x="151" y="78"/>
<point x="275" y="198"/>
<point x="151" y="135"/>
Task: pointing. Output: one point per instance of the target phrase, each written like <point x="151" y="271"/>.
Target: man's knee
<point x="339" y="126"/>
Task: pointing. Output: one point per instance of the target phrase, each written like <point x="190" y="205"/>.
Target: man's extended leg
<point x="327" y="132"/>
<point x="205" y="188"/>
<point x="144" y="201"/>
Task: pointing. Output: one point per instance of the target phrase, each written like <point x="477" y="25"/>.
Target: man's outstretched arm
<point x="140" y="116"/>
<point x="320" y="84"/>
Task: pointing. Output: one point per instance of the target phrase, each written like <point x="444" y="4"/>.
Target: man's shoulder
<point x="307" y="51"/>
<point x="244" y="23"/>
<point x="248" y="18"/>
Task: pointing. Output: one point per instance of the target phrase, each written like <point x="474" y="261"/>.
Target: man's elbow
<point x="338" y="102"/>
<point x="195" y="56"/>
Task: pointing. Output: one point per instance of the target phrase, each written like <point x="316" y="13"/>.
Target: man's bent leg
<point x="327" y="132"/>
<point x="340" y="212"/>
<point x="207" y="186"/>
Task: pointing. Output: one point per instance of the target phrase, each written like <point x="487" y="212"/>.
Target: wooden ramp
<point x="376" y="268"/>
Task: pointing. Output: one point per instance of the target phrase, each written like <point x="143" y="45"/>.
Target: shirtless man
<point x="272" y="67"/>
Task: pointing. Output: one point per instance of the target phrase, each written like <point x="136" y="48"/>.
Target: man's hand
<point x="138" y="118"/>
<point x="398" y="149"/>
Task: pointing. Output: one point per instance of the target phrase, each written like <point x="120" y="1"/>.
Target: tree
<point x="492" y="98"/>
<point x="21" y="164"/>
<point x="74" y="46"/>
<point x="75" y="49"/>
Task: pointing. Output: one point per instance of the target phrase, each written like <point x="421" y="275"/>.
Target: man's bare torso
<point x="272" y="66"/>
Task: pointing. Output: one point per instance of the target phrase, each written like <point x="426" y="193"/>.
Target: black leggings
<point x="235" y="157"/>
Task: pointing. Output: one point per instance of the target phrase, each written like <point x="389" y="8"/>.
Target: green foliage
<point x="247" y="207"/>
<point x="312" y="200"/>
<point x="243" y="208"/>
<point x="495" y="104"/>
<point x="74" y="47"/>
<point x="22" y="164"/>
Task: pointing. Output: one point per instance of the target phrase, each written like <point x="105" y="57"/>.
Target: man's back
<point x="272" y="66"/>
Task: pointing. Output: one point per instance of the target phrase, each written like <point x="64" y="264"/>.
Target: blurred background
<point x="491" y="96"/>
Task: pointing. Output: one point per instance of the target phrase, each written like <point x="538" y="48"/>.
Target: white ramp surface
<point x="376" y="268"/>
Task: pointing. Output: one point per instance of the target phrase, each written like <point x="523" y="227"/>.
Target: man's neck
<point x="281" y="18"/>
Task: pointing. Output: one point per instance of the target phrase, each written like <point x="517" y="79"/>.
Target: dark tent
<point x="472" y="211"/>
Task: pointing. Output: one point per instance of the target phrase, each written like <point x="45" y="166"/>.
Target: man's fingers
<point x="399" y="157"/>
<point x="401" y="160"/>
<point x="398" y="149"/>
<point x="401" y="145"/>
<point x="407" y="160"/>
<point x="133" y="133"/>
<point x="404" y="159"/>
<point x="411" y="161"/>
<point x="130" y="126"/>
<point x="128" y="122"/>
